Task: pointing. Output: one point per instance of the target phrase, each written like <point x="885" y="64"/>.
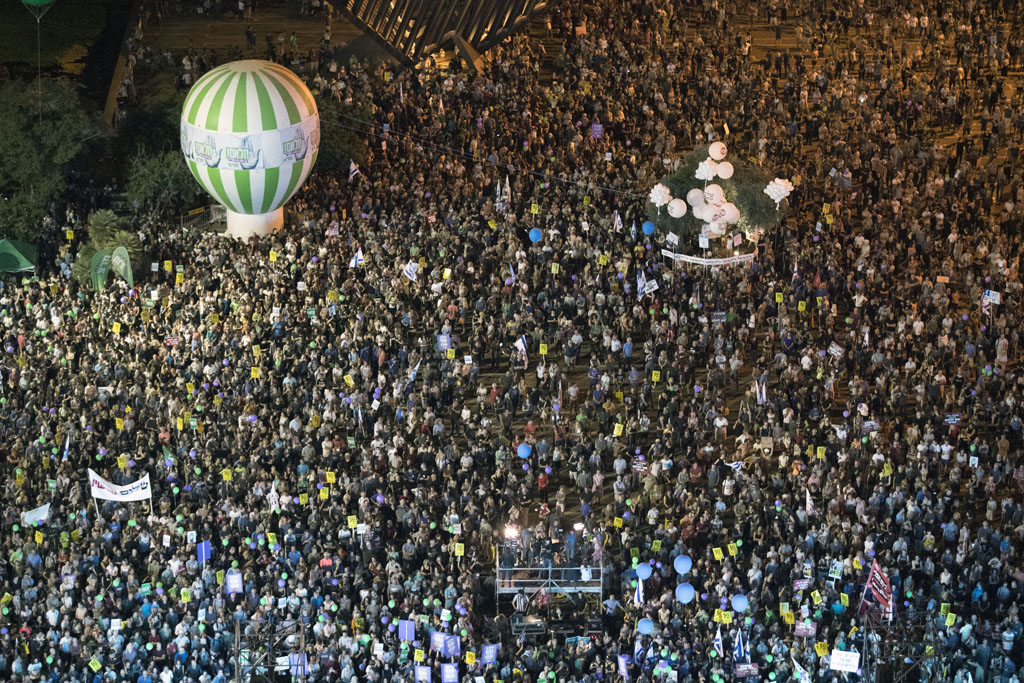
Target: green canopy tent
<point x="16" y="257"/>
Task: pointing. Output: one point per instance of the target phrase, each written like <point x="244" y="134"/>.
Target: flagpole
<point x="96" y="506"/>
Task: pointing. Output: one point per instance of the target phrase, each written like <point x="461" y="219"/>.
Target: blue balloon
<point x="685" y="593"/>
<point x="644" y="571"/>
<point x="648" y="228"/>
<point x="740" y="603"/>
<point x="645" y="626"/>
<point x="535" y="235"/>
<point x="524" y="450"/>
<point x="682" y="563"/>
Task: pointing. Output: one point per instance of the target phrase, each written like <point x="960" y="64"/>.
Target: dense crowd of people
<point x="347" y="437"/>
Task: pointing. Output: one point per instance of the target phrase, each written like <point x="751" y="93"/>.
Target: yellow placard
<point x="146" y="314"/>
<point x="950" y="619"/>
<point x="534" y="208"/>
<point x="272" y="539"/>
<point x="470" y="658"/>
<point x="226" y="474"/>
<point x="349" y="381"/>
<point x="829" y="219"/>
<point x="168" y="266"/>
<point x="586" y="200"/>
<point x="789" y="618"/>
<point x="254" y="372"/>
<point x="460" y="549"/>
<point x="180" y="424"/>
<point x="214" y="318"/>
<point x="447" y="273"/>
<point x="450" y="354"/>
<point x="70" y="234"/>
<point x="190" y="388"/>
<point x="778" y="297"/>
<point x="331" y="477"/>
<point x="186" y="595"/>
<point x="220" y="575"/>
<point x="617" y="522"/>
<point x="217" y="400"/>
<point x="819" y="299"/>
<point x="353" y="522"/>
<point x="554" y="269"/>
<point x="543" y="349"/>
<point x="844" y="599"/>
<point x="733" y="549"/>
<point x="95" y="665"/>
<point x="602" y="259"/>
<point x="944" y="609"/>
<point x="816" y="596"/>
<point x="117" y="328"/>
<point x="303" y="499"/>
<point x="825" y="208"/>
<point x="39" y="537"/>
<point x="273" y="256"/>
<point x="719" y="555"/>
<point x="179" y="278"/>
<point x="122" y="461"/>
<point x="656" y="376"/>
<point x="493" y="223"/>
<point x="886" y="470"/>
<point x="801" y="306"/>
<point x="324" y="493"/>
<point x="618" y="429"/>
<point x="821" y="648"/>
<point x="821" y="452"/>
<point x="256" y="350"/>
<point x="656" y="545"/>
<point x="857" y="564"/>
<point x="418" y="655"/>
<point x="332" y="295"/>
<point x="119" y="423"/>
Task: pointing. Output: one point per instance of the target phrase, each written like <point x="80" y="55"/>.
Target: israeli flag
<point x="740" y="652"/>
<point x="718" y="642"/>
<point x="638" y="594"/>
<point x="67" y="446"/>
<point x="641" y="284"/>
<point x="353" y="170"/>
<point x="513" y="271"/>
<point x="617" y="222"/>
<point x="736" y="466"/>
<point x="410" y="270"/>
<point x="358" y="259"/>
<point x="520" y="345"/>
<point x="412" y="375"/>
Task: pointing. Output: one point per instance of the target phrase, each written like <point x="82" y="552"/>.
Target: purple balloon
<point x="380" y="498"/>
<point x="316" y="260"/>
<point x="252" y="418"/>
<point x="547" y="470"/>
<point x="103" y="451"/>
<point x="280" y="583"/>
<point x="525" y="467"/>
<point x="226" y="362"/>
<point x="131" y="463"/>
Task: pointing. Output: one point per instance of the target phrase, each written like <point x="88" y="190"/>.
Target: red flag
<point x="878" y="582"/>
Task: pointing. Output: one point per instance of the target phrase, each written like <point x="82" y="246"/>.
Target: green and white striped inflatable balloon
<point x="250" y="133"/>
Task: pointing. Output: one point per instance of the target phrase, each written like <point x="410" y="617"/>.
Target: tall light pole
<point x="38" y="9"/>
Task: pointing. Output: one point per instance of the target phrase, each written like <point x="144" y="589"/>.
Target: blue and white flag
<point x="740" y="653"/>
<point x="358" y="259"/>
<point x="638" y="594"/>
<point x="67" y="447"/>
<point x="520" y="345"/>
<point x="736" y="466"/>
<point x="410" y="270"/>
<point x="718" y="642"/>
<point x="641" y="284"/>
<point x="412" y="375"/>
<point x="632" y="231"/>
<point x="353" y="170"/>
<point x="617" y="222"/>
<point x="513" y="271"/>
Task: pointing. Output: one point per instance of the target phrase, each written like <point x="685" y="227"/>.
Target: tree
<point x="107" y="231"/>
<point x="37" y="153"/>
<point x="340" y="140"/>
<point x="161" y="182"/>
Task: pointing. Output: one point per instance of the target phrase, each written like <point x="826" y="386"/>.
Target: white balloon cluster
<point x="709" y="204"/>
<point x="778" y="189"/>
<point x="660" y="195"/>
